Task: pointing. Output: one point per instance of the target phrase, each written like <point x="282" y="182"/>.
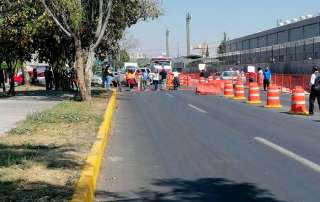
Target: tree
<point x="16" y="24"/>
<point x="223" y="45"/>
<point x="87" y="23"/>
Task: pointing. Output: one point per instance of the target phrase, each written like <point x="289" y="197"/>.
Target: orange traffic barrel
<point x="254" y="93"/>
<point x="228" y="89"/>
<point x="273" y="97"/>
<point x="239" y="93"/>
<point x="170" y="82"/>
<point x="298" y="101"/>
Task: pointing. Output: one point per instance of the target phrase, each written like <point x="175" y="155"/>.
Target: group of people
<point x="143" y="79"/>
<point x="140" y="78"/>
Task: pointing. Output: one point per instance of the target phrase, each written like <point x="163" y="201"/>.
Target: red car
<point x="18" y="79"/>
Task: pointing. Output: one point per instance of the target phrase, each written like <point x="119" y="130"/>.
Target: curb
<point x="86" y="186"/>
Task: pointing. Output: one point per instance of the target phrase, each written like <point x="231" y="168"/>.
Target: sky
<point x="210" y="18"/>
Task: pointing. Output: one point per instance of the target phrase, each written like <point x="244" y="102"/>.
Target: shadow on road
<point x="201" y="190"/>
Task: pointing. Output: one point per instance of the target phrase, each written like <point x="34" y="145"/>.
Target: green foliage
<point x="124" y="56"/>
<point x="75" y="11"/>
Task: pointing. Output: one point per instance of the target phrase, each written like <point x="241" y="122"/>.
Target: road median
<point x="86" y="185"/>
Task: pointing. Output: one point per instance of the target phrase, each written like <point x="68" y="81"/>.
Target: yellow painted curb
<point x="86" y="186"/>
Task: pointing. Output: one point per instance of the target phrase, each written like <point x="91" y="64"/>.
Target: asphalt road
<point x="177" y="146"/>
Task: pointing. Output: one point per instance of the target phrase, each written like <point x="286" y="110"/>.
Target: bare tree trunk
<point x="88" y="69"/>
<point x="25" y="74"/>
<point x="79" y="61"/>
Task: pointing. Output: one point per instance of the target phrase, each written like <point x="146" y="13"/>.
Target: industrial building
<point x="292" y="47"/>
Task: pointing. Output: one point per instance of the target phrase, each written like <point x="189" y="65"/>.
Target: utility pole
<point x="178" y="49"/>
<point x="188" y="20"/>
<point x="167" y="43"/>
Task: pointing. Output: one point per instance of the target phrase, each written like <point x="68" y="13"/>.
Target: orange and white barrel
<point x="239" y="93"/>
<point x="298" y="101"/>
<point x="273" y="97"/>
<point x="228" y="89"/>
<point x="254" y="93"/>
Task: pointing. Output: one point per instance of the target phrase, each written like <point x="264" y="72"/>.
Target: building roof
<point x="292" y="25"/>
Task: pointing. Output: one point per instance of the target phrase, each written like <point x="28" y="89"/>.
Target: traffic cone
<point x="273" y="97"/>
<point x="254" y="93"/>
<point x="298" y="102"/>
<point x="228" y="89"/>
<point x="239" y="91"/>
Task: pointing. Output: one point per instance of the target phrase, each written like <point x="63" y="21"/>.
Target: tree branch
<point x="104" y="27"/>
<point x="55" y="19"/>
<point x="99" y="27"/>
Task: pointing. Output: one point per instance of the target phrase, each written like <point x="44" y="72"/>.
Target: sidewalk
<point x="16" y="109"/>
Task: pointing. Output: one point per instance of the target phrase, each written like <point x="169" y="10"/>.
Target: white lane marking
<point x="197" y="108"/>
<point x="169" y="95"/>
<point x="289" y="154"/>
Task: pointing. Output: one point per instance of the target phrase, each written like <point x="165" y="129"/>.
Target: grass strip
<point x="40" y="159"/>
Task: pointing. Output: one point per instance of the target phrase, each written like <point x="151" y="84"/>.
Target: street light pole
<point x="167" y="43"/>
<point x="188" y="20"/>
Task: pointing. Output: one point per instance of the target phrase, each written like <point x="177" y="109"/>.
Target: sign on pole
<point x="202" y="67"/>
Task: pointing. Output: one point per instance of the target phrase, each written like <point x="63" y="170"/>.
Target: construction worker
<point x="314" y="89"/>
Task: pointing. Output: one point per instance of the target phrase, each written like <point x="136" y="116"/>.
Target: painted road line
<point x="289" y="154"/>
<point x="197" y="108"/>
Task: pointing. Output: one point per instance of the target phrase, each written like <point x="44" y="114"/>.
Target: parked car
<point x="229" y="75"/>
<point x="96" y="79"/>
<point x="18" y="79"/>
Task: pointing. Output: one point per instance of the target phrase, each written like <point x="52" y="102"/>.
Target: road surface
<point x="177" y="146"/>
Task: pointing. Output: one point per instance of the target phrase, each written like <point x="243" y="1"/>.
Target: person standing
<point x="163" y="75"/>
<point x="176" y="82"/>
<point x="131" y="79"/>
<point x="314" y="89"/>
<point x="73" y="79"/>
<point x="2" y="80"/>
<point x="145" y="78"/>
<point x="139" y="79"/>
<point x="266" y="78"/>
<point x="117" y="79"/>
<point x="260" y="76"/>
<point x="46" y="77"/>
<point x="105" y="78"/>
<point x="34" y="79"/>
<point x="156" y="80"/>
